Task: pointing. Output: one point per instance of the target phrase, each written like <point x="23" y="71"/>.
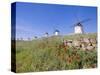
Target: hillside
<point x="48" y="54"/>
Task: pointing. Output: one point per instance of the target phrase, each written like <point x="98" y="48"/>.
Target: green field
<point x="44" y="54"/>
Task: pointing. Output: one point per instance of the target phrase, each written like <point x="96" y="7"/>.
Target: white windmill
<point x="56" y="32"/>
<point x="46" y="34"/>
<point x="78" y="27"/>
<point x="35" y="37"/>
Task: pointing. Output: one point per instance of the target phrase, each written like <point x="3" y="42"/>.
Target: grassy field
<point x="45" y="55"/>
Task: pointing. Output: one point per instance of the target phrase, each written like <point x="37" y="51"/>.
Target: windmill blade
<point x="74" y="25"/>
<point x="55" y="27"/>
<point x="83" y="21"/>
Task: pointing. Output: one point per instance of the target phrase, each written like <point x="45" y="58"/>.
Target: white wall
<point x="78" y="29"/>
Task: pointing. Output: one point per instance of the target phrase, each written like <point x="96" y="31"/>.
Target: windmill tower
<point x="35" y="37"/>
<point x="57" y="32"/>
<point x="78" y="27"/>
<point x="46" y="34"/>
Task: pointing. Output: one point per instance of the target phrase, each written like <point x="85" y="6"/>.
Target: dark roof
<point x="78" y="24"/>
<point x="46" y="33"/>
<point x="57" y="30"/>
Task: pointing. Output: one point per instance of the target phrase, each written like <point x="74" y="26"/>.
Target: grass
<point x="45" y="55"/>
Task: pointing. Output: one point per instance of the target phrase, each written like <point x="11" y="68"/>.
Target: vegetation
<point x="45" y="55"/>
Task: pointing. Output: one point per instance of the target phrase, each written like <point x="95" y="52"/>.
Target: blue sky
<point x="34" y="19"/>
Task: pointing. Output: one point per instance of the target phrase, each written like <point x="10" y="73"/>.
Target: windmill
<point x="56" y="31"/>
<point x="35" y="37"/>
<point x="46" y="34"/>
<point x="78" y="27"/>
